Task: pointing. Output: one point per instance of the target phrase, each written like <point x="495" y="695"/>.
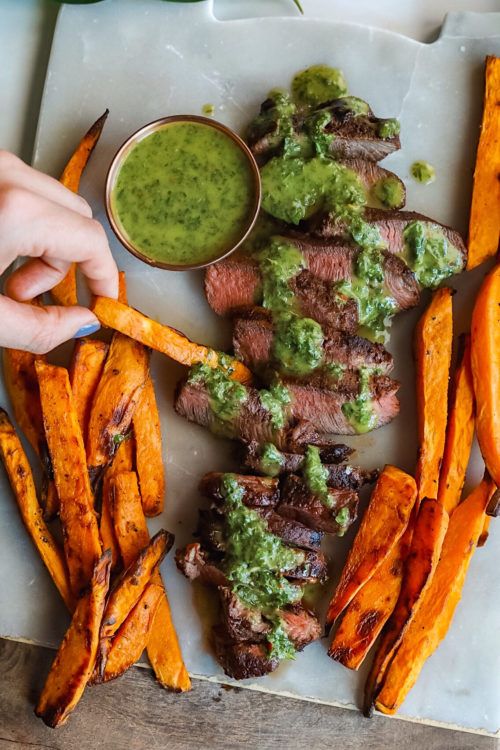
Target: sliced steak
<point x="242" y="623"/>
<point x="313" y="569"/>
<point x="292" y="462"/>
<point x="370" y="173"/>
<point x="258" y="491"/>
<point x="315" y="401"/>
<point x="356" y="136"/>
<point x="299" y="503"/>
<point x="241" y="660"/>
<point x="194" y="562"/>
<point x="253" y="343"/>
<point x="301" y="625"/>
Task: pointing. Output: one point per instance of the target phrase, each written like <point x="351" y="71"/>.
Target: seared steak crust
<point x="258" y="491"/>
<point x="242" y="659"/>
<point x="299" y="503"/>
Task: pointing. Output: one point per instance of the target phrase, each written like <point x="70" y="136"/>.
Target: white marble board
<point x="144" y="59"/>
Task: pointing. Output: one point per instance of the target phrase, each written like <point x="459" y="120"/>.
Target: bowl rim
<point x="146" y="130"/>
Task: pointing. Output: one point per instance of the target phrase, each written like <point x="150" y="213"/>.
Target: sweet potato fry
<point x="436" y="610"/>
<point x="148" y="451"/>
<point x="459" y="433"/>
<point x="485" y="360"/>
<point x="122" y="461"/>
<point x="85" y="372"/>
<point x="132" y="637"/>
<point x="384" y="522"/>
<point x="132" y="533"/>
<point x="72" y="667"/>
<point x="484" y="222"/>
<point x="64" y="293"/>
<point x="132" y="582"/>
<point x="370" y="609"/>
<point x="21" y="480"/>
<point x="420" y="565"/>
<point x="433" y="339"/>
<point x="125" y="373"/>
<point x="82" y="545"/>
<point x="160" y="337"/>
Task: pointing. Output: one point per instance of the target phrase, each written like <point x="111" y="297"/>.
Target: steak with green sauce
<point x="257" y="343"/>
<point x="299" y="503"/>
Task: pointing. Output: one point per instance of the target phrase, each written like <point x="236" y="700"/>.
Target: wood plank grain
<point x="134" y="713"/>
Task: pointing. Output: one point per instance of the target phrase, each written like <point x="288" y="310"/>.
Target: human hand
<point x="53" y="227"/>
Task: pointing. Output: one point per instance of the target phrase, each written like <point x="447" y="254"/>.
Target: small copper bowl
<point x="123" y="152"/>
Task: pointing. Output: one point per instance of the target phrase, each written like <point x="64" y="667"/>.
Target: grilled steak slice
<point x="194" y="562"/>
<point x="356" y="136"/>
<point x="301" y="625"/>
<point x="299" y="503"/>
<point x="235" y="283"/>
<point x="240" y="622"/>
<point x="391" y="225"/>
<point x="315" y="401"/>
<point x="251" y="457"/>
<point x="312" y="570"/>
<point x="253" y="338"/>
<point x="371" y="174"/>
<point x="258" y="491"/>
<point x="212" y="535"/>
<point x="241" y="660"/>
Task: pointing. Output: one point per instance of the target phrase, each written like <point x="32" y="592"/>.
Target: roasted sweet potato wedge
<point x="21" y="480"/>
<point x="64" y="293"/>
<point x="82" y="545"/>
<point x="133" y="635"/>
<point x="484" y="222"/>
<point x="459" y="433"/>
<point x="433" y="340"/>
<point x="72" y="667"/>
<point x="162" y="338"/>
<point x="436" y="610"/>
<point x="125" y="373"/>
<point x="132" y="533"/>
<point x="369" y="610"/>
<point x="122" y="461"/>
<point x="420" y="565"/>
<point x="384" y="522"/>
<point x="85" y="372"/>
<point x="148" y="451"/>
<point x="485" y="360"/>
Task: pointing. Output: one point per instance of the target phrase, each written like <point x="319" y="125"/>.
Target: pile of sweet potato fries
<point x="405" y="571"/>
<point x="96" y="429"/>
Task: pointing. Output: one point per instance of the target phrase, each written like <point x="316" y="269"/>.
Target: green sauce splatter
<point x="297" y="344"/>
<point x="360" y="412"/>
<point x="316" y="475"/>
<point x="422" y="171"/>
<point x="389" y="128"/>
<point x="226" y="395"/>
<point x="317" y="85"/>
<point x="279" y="262"/>
<point x="389" y="191"/>
<point x="274" y="401"/>
<point x="430" y="255"/>
<point x="271" y="460"/>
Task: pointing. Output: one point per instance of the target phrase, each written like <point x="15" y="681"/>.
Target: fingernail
<point x="87" y="330"/>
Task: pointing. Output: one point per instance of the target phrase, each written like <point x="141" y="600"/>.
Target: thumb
<point x="40" y="329"/>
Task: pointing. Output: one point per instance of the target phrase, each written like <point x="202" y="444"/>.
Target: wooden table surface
<point x="134" y="713"/>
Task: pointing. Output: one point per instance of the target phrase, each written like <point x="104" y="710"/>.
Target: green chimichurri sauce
<point x="184" y="193"/>
<point x="422" y="171"/>
<point x="389" y="128"/>
<point x="297" y="344"/>
<point x="255" y="562"/>
<point x="275" y="400"/>
<point x="430" y="255"/>
<point x="280" y="261"/>
<point x="316" y="475"/>
<point x="360" y="412"/>
<point x="226" y="395"/>
<point x="389" y="191"/>
<point x="317" y="85"/>
<point x="355" y="105"/>
<point x="271" y="460"/>
<point x="342" y="518"/>
<point x="294" y="189"/>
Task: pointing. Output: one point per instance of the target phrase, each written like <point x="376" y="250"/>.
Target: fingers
<point x="36" y="227"/>
<point x="33" y="278"/>
<point x="40" y="329"/>
<point x="13" y="171"/>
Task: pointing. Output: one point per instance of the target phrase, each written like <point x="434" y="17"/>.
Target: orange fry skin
<point x="132" y="533"/>
<point x="85" y="373"/>
<point x="484" y="223"/>
<point x="485" y="360"/>
<point x="162" y="338"/>
<point x="65" y="293"/>
<point x="459" y="433"/>
<point x="433" y="341"/>
<point x="148" y="451"/>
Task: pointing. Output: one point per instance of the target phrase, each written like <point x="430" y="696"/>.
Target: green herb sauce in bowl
<point x="183" y="192"/>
